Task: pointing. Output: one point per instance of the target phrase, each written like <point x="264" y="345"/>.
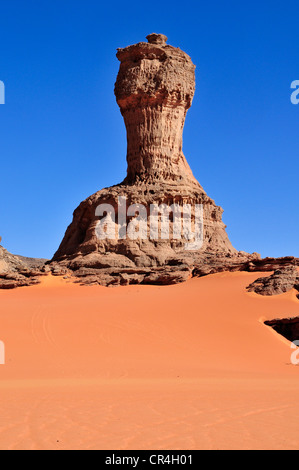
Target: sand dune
<point x="190" y="366"/>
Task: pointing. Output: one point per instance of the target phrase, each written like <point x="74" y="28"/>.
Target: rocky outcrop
<point x="18" y="271"/>
<point x="282" y="280"/>
<point x="154" y="89"/>
<point x="287" y="327"/>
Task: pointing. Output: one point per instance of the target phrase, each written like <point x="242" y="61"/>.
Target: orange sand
<point x="180" y="367"/>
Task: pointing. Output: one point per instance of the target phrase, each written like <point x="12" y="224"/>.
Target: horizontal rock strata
<point x="18" y="271"/>
<point x="282" y="280"/>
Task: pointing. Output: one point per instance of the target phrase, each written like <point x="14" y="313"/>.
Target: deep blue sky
<point x="62" y="137"/>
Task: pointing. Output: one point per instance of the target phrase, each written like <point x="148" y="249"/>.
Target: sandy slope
<point x="180" y="367"/>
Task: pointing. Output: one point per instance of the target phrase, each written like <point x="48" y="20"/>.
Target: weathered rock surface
<point x="282" y="280"/>
<point x="19" y="271"/>
<point x="154" y="89"/>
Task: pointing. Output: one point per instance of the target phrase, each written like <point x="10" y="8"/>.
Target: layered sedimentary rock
<point x="154" y="90"/>
<point x="18" y="271"/>
<point x="281" y="281"/>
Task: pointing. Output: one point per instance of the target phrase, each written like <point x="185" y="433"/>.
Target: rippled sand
<point x="190" y="366"/>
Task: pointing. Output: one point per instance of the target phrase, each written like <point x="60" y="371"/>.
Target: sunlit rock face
<point x="18" y="271"/>
<point x="154" y="90"/>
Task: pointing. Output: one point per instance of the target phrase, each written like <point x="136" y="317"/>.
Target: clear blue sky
<point x="63" y="138"/>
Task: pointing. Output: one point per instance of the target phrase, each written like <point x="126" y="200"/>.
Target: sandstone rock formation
<point x="154" y="89"/>
<point x="282" y="280"/>
<point x="18" y="271"/>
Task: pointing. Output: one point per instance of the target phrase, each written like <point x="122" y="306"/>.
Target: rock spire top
<point x="155" y="38"/>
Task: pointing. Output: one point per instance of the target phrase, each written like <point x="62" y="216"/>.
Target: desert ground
<point x="189" y="366"/>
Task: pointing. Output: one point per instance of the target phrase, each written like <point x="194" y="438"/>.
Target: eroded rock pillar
<point x="154" y="89"/>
